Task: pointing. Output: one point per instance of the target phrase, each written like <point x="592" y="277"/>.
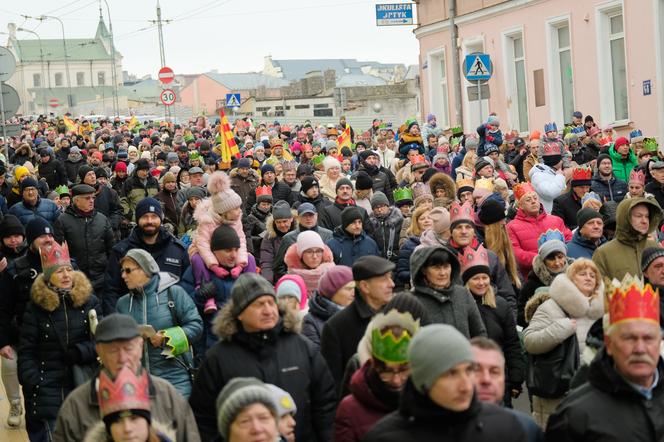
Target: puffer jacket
<point x="547" y="183"/>
<point x="403" y="260"/>
<point x="622" y="167"/>
<point x="270" y="243"/>
<point x="254" y="227"/>
<point x="279" y="356"/>
<point x="150" y="305"/>
<point x="454" y="305"/>
<point x="90" y="240"/>
<point x="107" y="202"/>
<point x="622" y="254"/>
<point x="169" y="206"/>
<point x="53" y="172"/>
<point x="319" y="202"/>
<point x="346" y="249"/>
<point x="611" y="190"/>
<point x="135" y="191"/>
<point x="495" y="137"/>
<point x="539" y="276"/>
<point x="579" y="247"/>
<point x="330" y="216"/>
<point x="72" y="164"/>
<point x="320" y="310"/>
<point x="244" y="186"/>
<point x="386" y="232"/>
<point x="280" y="192"/>
<point x="42" y="370"/>
<point x="524" y="232"/>
<point x="44" y="208"/>
<point x="381" y="182"/>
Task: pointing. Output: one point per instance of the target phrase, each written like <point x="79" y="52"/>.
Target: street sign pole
<point x="479" y="98"/>
<point x="2" y="115"/>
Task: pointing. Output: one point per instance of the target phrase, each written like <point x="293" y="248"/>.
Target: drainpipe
<point x="456" y="64"/>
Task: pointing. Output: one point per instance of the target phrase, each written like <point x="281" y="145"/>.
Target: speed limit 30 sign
<point x="167" y="97"/>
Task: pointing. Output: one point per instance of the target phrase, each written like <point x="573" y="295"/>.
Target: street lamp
<point x="41" y="57"/>
<point x="116" y="105"/>
<point x="64" y="45"/>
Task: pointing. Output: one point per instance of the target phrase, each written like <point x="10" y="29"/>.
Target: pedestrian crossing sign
<point x="477" y="67"/>
<point x="233" y="100"/>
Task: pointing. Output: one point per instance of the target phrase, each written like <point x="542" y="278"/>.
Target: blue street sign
<point x="396" y="14"/>
<point x="477" y="67"/>
<point x="647" y="87"/>
<point x="233" y="100"/>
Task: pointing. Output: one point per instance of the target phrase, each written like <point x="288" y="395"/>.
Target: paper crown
<point x="582" y="173"/>
<point x="391" y="334"/>
<point x="470" y="257"/>
<point x="636" y="135"/>
<point x="418" y="159"/>
<point x="590" y="196"/>
<point x="176" y="342"/>
<point x="637" y="177"/>
<point x="578" y="130"/>
<point x="550" y="127"/>
<point x="550" y="235"/>
<point x="194" y="155"/>
<point x="465" y="182"/>
<point x="461" y="213"/>
<point x="54" y="255"/>
<point x="650" y="145"/>
<point x="552" y="148"/>
<point x="402" y="194"/>
<point x="632" y="299"/>
<point x="484" y="183"/>
<point x="126" y="392"/>
<point x="62" y="190"/>
<point x="263" y="191"/>
<point x="522" y="189"/>
<point x="318" y="159"/>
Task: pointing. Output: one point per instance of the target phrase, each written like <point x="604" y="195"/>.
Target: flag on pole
<point x="69" y="123"/>
<point x="344" y="140"/>
<point x="132" y="122"/>
<point x="229" y="148"/>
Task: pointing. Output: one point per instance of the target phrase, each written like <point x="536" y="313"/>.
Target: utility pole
<point x="162" y="54"/>
<point x="70" y="98"/>
<point x="114" y="75"/>
<point x="456" y="64"/>
<point x="43" y="74"/>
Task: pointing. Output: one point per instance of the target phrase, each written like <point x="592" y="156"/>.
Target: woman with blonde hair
<point x="467" y="168"/>
<point x="421" y="222"/>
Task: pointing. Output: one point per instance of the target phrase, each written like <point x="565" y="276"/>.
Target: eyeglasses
<point x="387" y="375"/>
<point x="313" y="252"/>
<point x="128" y="270"/>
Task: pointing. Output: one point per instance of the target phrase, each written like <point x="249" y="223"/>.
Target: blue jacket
<point x="346" y="249"/>
<point x="494" y="137"/>
<point x="403" y="262"/>
<point x="45" y="208"/>
<point x="149" y="305"/>
<point x="612" y="190"/>
<point x="580" y="247"/>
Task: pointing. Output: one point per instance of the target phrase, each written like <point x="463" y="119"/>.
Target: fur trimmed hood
<point x="225" y="325"/>
<point x="98" y="433"/>
<point x="534" y="302"/>
<point x="293" y="261"/>
<point x="49" y="300"/>
<point x="566" y="294"/>
<point x="543" y="273"/>
<point x="271" y="229"/>
<point x="441" y="179"/>
<point x="253" y="175"/>
<point x="392" y="219"/>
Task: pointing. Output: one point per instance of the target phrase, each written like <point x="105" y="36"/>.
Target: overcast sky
<point x="227" y="35"/>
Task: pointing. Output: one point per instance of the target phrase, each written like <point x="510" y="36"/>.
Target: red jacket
<point x="524" y="231"/>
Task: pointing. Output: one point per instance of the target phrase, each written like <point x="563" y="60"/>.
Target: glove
<point x="220" y="271"/>
<point x="235" y="272"/>
<point x="207" y="290"/>
<point x="72" y="356"/>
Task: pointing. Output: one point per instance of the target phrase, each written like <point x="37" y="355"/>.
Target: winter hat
<point x="100" y="172"/>
<point x="342" y="182"/>
<point x="307" y="183"/>
<point x="267" y="168"/>
<point x="441" y="219"/>
<point x="223" y="197"/>
<point x="334" y="279"/>
<point x="288" y="287"/>
<point x="142" y="164"/>
<point x="281" y="210"/>
<point x="471" y="143"/>
<point x="552" y="241"/>
<point x="490" y="148"/>
<point x="621" y="141"/>
<point x="247" y="288"/>
<point x="238" y="394"/>
<point x="148" y="205"/>
<point x="491" y="211"/>
<point x="10" y="225"/>
<point x="120" y="167"/>
<point x="144" y="260"/>
<point x="435" y="350"/>
<point x="350" y="214"/>
<point x="224" y="237"/>
<point x="195" y="192"/>
<point x="481" y="164"/>
<point x="83" y="171"/>
<point x="421" y="192"/>
<point x="37" y="227"/>
<point x="168" y="178"/>
<point x="362" y="181"/>
<point x="172" y="156"/>
<point x="586" y="214"/>
<point x="308" y="240"/>
<point x="330" y="162"/>
<point x="649" y="255"/>
<point x="601" y="157"/>
<point x="283" y="399"/>
<point x="28" y="182"/>
<point x="379" y="199"/>
<point x="493" y="120"/>
<point x="244" y="163"/>
<point x="590" y="196"/>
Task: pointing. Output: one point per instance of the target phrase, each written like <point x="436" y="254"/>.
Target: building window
<point x="80" y="79"/>
<point x="36" y="80"/>
<point x="321" y="106"/>
<point x="101" y="78"/>
<point x="58" y="79"/>
<point x="612" y="66"/>
<point x="561" y="80"/>
<point x="516" y="80"/>
<point x="302" y="106"/>
<point x="323" y="112"/>
<point x="263" y="109"/>
<point x="439" y="104"/>
<point x="618" y="66"/>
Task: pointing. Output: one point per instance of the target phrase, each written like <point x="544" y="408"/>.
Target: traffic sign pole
<point x="2" y="114"/>
<point x="479" y="98"/>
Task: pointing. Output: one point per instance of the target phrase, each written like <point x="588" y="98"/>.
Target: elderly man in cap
<point x="119" y="344"/>
<point x="624" y="396"/>
<point x="343" y="331"/>
<point x="88" y="234"/>
<point x="255" y="340"/>
<point x="439" y="401"/>
<point x="32" y="205"/>
<point x="149" y="234"/>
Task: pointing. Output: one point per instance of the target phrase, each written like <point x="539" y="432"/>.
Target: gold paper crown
<point x="632" y="299"/>
<point x="484" y="183"/>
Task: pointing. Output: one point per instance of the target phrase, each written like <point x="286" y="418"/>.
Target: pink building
<point x="550" y="58"/>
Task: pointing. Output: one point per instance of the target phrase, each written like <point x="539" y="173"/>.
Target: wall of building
<point x="201" y="95"/>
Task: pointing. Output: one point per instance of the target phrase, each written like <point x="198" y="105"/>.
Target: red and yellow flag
<point x="229" y="148"/>
<point x="344" y="139"/>
<point x="69" y="123"/>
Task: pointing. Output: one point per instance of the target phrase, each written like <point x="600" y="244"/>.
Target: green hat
<point x="403" y="194"/>
<point x="650" y="145"/>
<point x="387" y="346"/>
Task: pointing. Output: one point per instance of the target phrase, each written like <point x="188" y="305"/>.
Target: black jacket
<point x="107" y="202"/>
<point x="381" y="182"/>
<point x="612" y="190"/>
<point x="386" y="233"/>
<point x="280" y="192"/>
<point x="319" y="202"/>
<point x="608" y="409"/>
<point x="320" y="310"/>
<point x="254" y="225"/>
<point x="420" y="419"/>
<point x="90" y="239"/>
<point x="53" y="172"/>
<point x="657" y="190"/>
<point x="330" y="217"/>
<point x="566" y="206"/>
<point x="169" y="252"/>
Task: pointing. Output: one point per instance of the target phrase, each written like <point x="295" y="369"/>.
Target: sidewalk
<point x="8" y="434"/>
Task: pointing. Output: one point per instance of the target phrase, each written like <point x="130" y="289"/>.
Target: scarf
<point x="349" y="202"/>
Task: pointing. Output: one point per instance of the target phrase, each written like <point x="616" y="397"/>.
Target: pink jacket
<point x="524" y="231"/>
<point x="208" y="220"/>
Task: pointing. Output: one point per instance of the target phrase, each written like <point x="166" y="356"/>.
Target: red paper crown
<point x="551" y="148"/>
<point x="582" y="173"/>
<point x="522" y="189"/>
<point x="633" y="299"/>
<point x="55" y="255"/>
<point x="418" y="159"/>
<point x="263" y="191"/>
<point x="460" y="212"/>
<point x="637" y="176"/>
<point x="473" y="258"/>
<point x="126" y="392"/>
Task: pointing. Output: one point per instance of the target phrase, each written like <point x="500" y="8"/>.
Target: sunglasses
<point x="128" y="270"/>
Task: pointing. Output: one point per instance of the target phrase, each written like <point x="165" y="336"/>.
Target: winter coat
<point x="622" y="254"/>
<point x="90" y="240"/>
<point x="528" y="163"/>
<point x="135" y="191"/>
<point x="346" y="249"/>
<point x="22" y="154"/>
<point x="420" y="419"/>
<point x="580" y="247"/>
<point x="386" y="233"/>
<point x="454" y="305"/>
<point x="72" y="164"/>
<point x="208" y="220"/>
<point x="547" y="183"/>
<point x="169" y="207"/>
<point x="539" y="276"/>
<point x="108" y="203"/>
<point x="381" y="182"/>
<point x="187" y="222"/>
<point x="524" y="232"/>
<point x="170" y="254"/>
<point x="254" y="225"/>
<point x="611" y="190"/>
<point x="244" y="186"/>
<point x="50" y="318"/>
<point x="53" y="172"/>
<point x="280" y="192"/>
<point x="311" y="276"/>
<point x="270" y="243"/>
<point x="443" y="180"/>
<point x="278" y="356"/>
<point x="320" y="310"/>
<point x="495" y="137"/>
<point x="319" y="202"/>
<point x="279" y="267"/>
<point x="657" y="190"/>
<point x="403" y="260"/>
<point x="358" y="412"/>
<point x="330" y="216"/>
<point x="150" y="305"/>
<point x="607" y="408"/>
<point x="79" y="417"/>
<point x="622" y="167"/>
<point x="565" y="207"/>
<point x="44" y="208"/>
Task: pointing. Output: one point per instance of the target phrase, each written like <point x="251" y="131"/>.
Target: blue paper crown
<point x="635" y="133"/>
<point x="550" y="235"/>
<point x="577" y="130"/>
<point x="550" y="127"/>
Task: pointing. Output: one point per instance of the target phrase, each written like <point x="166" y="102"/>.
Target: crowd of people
<point x="269" y="282"/>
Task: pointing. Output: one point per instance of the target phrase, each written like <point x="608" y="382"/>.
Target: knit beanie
<point x="247" y="288"/>
<point x="649" y="255"/>
<point x="348" y="215"/>
<point x="362" y="181"/>
<point x="237" y="395"/>
<point x="334" y="279"/>
<point x="148" y="205"/>
<point x="37" y="227"/>
<point x="551" y="246"/>
<point x="308" y="240"/>
<point x="435" y="350"/>
<point x="290" y="288"/>
<point x="283" y="399"/>
<point x="441" y="219"/>
<point x="307" y="183"/>
<point x="83" y="171"/>
<point x="195" y="192"/>
<point x="144" y="260"/>
<point x="142" y="164"/>
<point x="224" y="237"/>
<point x="281" y="210"/>
<point x="342" y="182"/>
<point x="28" y="182"/>
<point x="379" y="199"/>
<point x="100" y="172"/>
<point x="603" y="156"/>
<point x="586" y="214"/>
<point x="481" y="164"/>
<point x="491" y="212"/>
<point x="168" y="178"/>
<point x="120" y="167"/>
<point x="267" y="168"/>
<point x="223" y="197"/>
<point x="10" y="225"/>
<point x="621" y="141"/>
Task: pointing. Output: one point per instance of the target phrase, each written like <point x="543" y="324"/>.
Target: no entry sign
<point x="166" y="75"/>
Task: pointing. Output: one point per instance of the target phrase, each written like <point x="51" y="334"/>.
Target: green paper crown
<point x="403" y="193"/>
<point x="176" y="342"/>
<point x="388" y="348"/>
<point x="62" y="190"/>
<point x="194" y="155"/>
<point x="456" y="131"/>
<point x="318" y="159"/>
<point x="650" y="145"/>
